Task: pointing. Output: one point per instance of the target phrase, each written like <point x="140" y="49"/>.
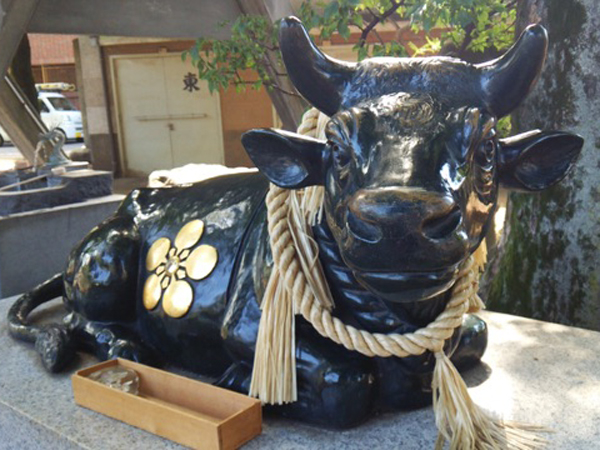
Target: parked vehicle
<point x="58" y="112"/>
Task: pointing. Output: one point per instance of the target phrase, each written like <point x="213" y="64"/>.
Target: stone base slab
<point x="533" y="372"/>
<point x="35" y="245"/>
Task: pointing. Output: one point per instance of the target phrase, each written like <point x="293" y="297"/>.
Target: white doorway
<point x="166" y="116"/>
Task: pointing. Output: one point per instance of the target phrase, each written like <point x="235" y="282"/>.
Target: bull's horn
<point x="507" y="80"/>
<point x="319" y="78"/>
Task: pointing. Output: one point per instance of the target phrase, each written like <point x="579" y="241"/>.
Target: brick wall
<point x="53" y="60"/>
<point x="51" y="49"/>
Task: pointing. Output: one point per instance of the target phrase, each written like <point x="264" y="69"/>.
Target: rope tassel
<point x="465" y="425"/>
<point x="274" y="371"/>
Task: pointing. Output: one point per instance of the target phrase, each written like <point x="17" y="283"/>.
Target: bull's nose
<point x="362" y="230"/>
<point x="394" y="211"/>
<point x="442" y="223"/>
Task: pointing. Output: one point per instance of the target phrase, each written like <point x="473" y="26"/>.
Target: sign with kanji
<point x="190" y="82"/>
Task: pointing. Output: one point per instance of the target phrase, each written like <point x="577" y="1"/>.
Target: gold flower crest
<point x="170" y="264"/>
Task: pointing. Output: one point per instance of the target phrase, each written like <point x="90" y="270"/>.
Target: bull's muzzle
<point x="404" y="243"/>
<point x="387" y="213"/>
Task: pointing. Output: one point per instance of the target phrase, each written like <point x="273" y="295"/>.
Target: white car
<point x="57" y="112"/>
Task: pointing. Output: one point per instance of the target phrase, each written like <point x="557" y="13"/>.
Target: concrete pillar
<point x="18" y="118"/>
<point x="21" y="125"/>
<point x="14" y="19"/>
<point x="94" y="104"/>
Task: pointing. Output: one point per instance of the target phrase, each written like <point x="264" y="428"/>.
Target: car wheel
<point x="61" y="131"/>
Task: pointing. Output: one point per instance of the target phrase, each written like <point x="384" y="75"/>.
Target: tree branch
<point x="376" y="20"/>
<point x="378" y="36"/>
<point x="467" y="39"/>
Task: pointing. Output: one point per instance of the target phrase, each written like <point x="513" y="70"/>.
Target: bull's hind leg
<point x="108" y="341"/>
<point x="100" y="290"/>
<point x="101" y="275"/>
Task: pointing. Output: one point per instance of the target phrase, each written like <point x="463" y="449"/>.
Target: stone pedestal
<point x="533" y="372"/>
<point x="70" y="187"/>
<point x="35" y="245"/>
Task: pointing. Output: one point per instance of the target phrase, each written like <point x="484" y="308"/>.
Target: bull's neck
<point x="354" y="303"/>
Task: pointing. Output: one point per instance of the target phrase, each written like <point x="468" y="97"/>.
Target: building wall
<point x="241" y="112"/>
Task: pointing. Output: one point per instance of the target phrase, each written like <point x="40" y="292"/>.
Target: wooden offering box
<point x="186" y="411"/>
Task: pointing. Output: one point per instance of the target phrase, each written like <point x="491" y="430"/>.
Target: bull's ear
<point x="537" y="159"/>
<point x="289" y="160"/>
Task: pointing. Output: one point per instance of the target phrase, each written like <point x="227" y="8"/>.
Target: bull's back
<point x="183" y="286"/>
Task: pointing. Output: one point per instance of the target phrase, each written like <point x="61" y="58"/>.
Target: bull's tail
<point x="52" y="342"/>
<point x="18" y="325"/>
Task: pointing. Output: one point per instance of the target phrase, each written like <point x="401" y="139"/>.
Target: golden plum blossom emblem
<point x="172" y="264"/>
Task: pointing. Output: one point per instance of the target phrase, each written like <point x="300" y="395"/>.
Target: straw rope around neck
<point x="298" y="286"/>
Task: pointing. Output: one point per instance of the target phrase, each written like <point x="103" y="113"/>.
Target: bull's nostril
<point x="439" y="227"/>
<point x="362" y="230"/>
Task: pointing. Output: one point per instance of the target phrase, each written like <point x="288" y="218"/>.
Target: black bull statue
<point x="411" y="168"/>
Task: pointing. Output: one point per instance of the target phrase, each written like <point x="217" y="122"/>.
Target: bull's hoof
<point x="472" y="344"/>
<point x="55" y="347"/>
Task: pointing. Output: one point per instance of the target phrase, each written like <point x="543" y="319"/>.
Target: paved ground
<point x="533" y="372"/>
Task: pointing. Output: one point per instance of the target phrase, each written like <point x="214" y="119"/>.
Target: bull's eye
<point x="341" y="161"/>
<point x="485" y="155"/>
<point x="489" y="150"/>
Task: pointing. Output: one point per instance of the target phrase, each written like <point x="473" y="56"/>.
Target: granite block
<point x="533" y="372"/>
<point x="34" y="245"/>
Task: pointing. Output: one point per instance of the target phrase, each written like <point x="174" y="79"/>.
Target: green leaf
<point x="357" y="20"/>
<point x="344" y="30"/>
<point x="330" y="10"/>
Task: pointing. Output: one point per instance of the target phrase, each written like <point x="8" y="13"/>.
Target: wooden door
<point x="163" y="122"/>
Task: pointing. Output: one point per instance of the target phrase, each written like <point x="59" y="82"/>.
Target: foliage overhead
<point x="463" y="26"/>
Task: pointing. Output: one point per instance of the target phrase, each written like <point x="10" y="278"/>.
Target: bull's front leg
<point x="405" y="383"/>
<point x="336" y="387"/>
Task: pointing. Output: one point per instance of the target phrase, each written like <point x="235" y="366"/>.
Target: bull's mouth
<point x="408" y="286"/>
